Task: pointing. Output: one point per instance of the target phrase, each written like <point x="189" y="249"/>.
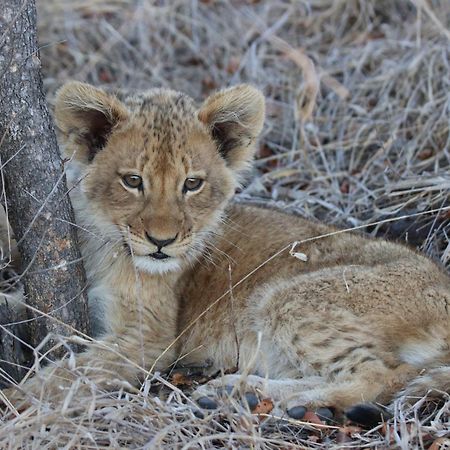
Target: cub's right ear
<point x="86" y="116"/>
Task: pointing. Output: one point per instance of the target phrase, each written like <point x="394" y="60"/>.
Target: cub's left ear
<point x="235" y="117"/>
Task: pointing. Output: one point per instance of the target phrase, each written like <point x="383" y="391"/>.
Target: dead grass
<point x="166" y="418"/>
<point x="358" y="92"/>
<point x="357" y="132"/>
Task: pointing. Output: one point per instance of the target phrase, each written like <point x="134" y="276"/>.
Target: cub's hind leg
<point x="312" y="351"/>
<point x="313" y="323"/>
<point x="348" y="328"/>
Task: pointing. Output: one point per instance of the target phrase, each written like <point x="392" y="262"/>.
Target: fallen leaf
<point x="346" y="433"/>
<point x="445" y="215"/>
<point x="266" y="152"/>
<point x="233" y="65"/>
<point x="105" y="76"/>
<point x="351" y="429"/>
<point x="425" y="154"/>
<point x="312" y="418"/>
<point x="263" y="407"/>
<point x="208" y="84"/>
<point x="345" y="187"/>
<point x="342" y="437"/>
<point x="179" y="379"/>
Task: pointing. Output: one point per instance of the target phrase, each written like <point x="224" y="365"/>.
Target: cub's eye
<point x="192" y="184"/>
<point x="132" y="181"/>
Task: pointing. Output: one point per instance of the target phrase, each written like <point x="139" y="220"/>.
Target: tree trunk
<point x="36" y="195"/>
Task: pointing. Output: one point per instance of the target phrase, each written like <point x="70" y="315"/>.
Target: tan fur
<point x="357" y="321"/>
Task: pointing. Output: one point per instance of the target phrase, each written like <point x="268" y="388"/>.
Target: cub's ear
<point x="235" y="117"/>
<point x="86" y="116"/>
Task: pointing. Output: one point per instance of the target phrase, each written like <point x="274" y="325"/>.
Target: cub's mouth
<point x="159" y="255"/>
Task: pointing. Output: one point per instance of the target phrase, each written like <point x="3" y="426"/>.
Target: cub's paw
<point x="260" y="395"/>
<point x="301" y="408"/>
<point x="326" y="415"/>
<point x="367" y="415"/>
<point x="247" y="393"/>
<point x="308" y="406"/>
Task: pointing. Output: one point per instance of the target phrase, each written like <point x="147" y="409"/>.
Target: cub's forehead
<point x="160" y="103"/>
<point x="164" y="126"/>
<point x="163" y="113"/>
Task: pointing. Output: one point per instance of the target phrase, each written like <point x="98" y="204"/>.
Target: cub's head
<point x="155" y="169"/>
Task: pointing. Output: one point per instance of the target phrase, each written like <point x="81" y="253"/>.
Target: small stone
<point x="251" y="399"/>
<point x="207" y="403"/>
<point x="297" y="412"/>
<point x="325" y="414"/>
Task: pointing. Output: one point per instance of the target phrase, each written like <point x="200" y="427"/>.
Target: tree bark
<point x="39" y="208"/>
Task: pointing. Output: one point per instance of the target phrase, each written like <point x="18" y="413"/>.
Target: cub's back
<point x="253" y="250"/>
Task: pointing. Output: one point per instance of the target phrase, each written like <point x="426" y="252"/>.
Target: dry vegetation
<point x="357" y="133"/>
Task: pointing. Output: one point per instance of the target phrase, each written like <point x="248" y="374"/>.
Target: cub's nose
<point x="160" y="243"/>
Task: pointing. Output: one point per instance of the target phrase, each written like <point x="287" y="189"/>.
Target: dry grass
<point x="167" y="418"/>
<point x="358" y="92"/>
<point x="357" y="132"/>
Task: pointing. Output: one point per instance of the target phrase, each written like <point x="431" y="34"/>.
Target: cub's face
<point x="156" y="171"/>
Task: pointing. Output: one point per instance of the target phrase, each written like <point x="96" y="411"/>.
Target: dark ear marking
<point x="221" y="135"/>
<point x="86" y="116"/>
<point x="96" y="137"/>
<point x="235" y="118"/>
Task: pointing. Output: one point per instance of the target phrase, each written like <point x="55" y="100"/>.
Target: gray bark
<point x="35" y="186"/>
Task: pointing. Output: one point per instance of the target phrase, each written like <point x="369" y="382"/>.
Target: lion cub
<point x="178" y="274"/>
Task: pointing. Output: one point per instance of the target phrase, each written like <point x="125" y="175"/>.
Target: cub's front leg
<point x="109" y="364"/>
<point x="123" y="358"/>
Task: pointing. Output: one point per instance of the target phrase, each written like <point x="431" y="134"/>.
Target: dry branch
<point x="35" y="188"/>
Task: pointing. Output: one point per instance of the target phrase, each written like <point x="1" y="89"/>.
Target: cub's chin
<point x="156" y="266"/>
